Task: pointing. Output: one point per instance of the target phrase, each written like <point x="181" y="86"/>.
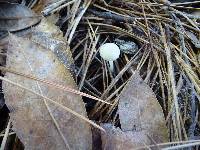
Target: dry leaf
<point x="96" y="139"/>
<point x="49" y="36"/>
<point x="116" y="139"/>
<point x="15" y="17"/>
<point x="30" y="117"/>
<point x="141" y="119"/>
<point x="139" y="110"/>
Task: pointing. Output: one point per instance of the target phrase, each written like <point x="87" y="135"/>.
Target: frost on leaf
<point x="139" y="110"/>
<point x="15" y="17"/>
<point x="141" y="118"/>
<point x="30" y="117"/>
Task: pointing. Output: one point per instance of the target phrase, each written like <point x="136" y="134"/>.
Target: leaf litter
<point x="15" y="17"/>
<point x="141" y="118"/>
<point x="36" y="129"/>
<point x="167" y="59"/>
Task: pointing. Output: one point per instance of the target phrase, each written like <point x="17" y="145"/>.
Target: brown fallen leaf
<point x="96" y="139"/>
<point x="51" y="37"/>
<point x="30" y="117"/>
<point x="115" y="139"/>
<point x="141" y="118"/>
<point x="139" y="111"/>
<point x="15" y="17"/>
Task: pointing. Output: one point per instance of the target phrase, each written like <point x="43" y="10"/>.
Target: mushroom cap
<point x="109" y="51"/>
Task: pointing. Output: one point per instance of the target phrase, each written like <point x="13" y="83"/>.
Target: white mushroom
<point x="109" y="52"/>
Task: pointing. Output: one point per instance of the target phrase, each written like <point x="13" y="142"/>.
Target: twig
<point x="55" y="85"/>
<point x="54" y="102"/>
<point x="77" y="20"/>
<point x="172" y="81"/>
<point x="5" y="137"/>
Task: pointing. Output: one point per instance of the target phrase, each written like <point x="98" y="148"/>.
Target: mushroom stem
<point x="111" y="66"/>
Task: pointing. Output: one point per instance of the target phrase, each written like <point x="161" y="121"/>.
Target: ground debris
<point x="31" y="115"/>
<point x="139" y="111"/>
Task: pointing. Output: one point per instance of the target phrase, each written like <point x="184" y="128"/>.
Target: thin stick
<point x="170" y="143"/>
<point x="3" y="144"/>
<point x="77" y="20"/>
<point x="55" y="85"/>
<point x="54" y="102"/>
<point x="182" y="146"/>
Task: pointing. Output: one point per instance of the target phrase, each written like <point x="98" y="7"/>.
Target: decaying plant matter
<point x="167" y="35"/>
<point x="159" y="39"/>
